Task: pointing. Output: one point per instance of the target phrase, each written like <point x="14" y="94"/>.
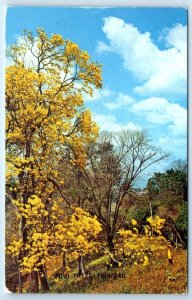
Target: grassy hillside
<point x="158" y="277"/>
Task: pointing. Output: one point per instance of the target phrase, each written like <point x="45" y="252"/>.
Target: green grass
<point x="98" y="261"/>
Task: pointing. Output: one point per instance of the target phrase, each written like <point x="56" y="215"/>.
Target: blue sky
<point x="144" y="57"/>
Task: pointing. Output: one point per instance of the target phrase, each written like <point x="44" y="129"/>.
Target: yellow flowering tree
<point x="155" y="225"/>
<point x="137" y="248"/>
<point x="32" y="253"/>
<point x="46" y="123"/>
<point x="77" y="236"/>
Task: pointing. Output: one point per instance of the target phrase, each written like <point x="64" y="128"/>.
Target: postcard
<point x="96" y="150"/>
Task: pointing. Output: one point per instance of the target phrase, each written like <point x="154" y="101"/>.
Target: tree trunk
<point x="81" y="265"/>
<point x="23" y="236"/>
<point x="45" y="269"/>
<point x="110" y="243"/>
<point x="64" y="262"/>
<point x="111" y="247"/>
<point x="23" y="232"/>
<point x="43" y="279"/>
<point x="151" y="210"/>
<point x="34" y="283"/>
<point x="20" y="282"/>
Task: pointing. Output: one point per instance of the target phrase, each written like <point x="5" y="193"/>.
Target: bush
<point x="181" y="223"/>
<point x="141" y="215"/>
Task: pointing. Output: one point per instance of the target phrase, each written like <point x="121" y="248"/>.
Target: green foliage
<point x="171" y="180"/>
<point x="141" y="215"/>
<point x="169" y="188"/>
<point x="182" y="222"/>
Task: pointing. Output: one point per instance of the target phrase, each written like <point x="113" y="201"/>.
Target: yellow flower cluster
<point x="71" y="49"/>
<point x="137" y="248"/>
<point x="32" y="211"/>
<point x="155" y="225"/>
<point x="57" y="40"/>
<point x="133" y="222"/>
<point x="125" y="233"/>
<point x="37" y="252"/>
<point x="78" y="235"/>
<point x="14" y="248"/>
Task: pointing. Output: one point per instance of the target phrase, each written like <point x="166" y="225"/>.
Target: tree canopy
<point x="46" y="121"/>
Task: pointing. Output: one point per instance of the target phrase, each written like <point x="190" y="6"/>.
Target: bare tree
<point x="114" y="163"/>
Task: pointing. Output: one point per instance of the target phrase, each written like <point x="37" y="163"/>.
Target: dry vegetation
<point x="157" y="278"/>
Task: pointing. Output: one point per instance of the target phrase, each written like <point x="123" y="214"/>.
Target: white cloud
<point x="176" y="37"/>
<point x="101" y="46"/>
<point x="98" y="94"/>
<point x="122" y="101"/>
<point x="109" y="122"/>
<point x="158" y="71"/>
<point x="161" y="111"/>
<point x="176" y="146"/>
<point x="30" y="60"/>
<point x="174" y="142"/>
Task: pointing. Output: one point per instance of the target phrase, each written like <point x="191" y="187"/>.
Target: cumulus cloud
<point x="176" y="146"/>
<point x="101" y="46"/>
<point x="109" y="122"/>
<point x="160" y="111"/>
<point x="97" y="94"/>
<point x="157" y="71"/>
<point x="30" y="60"/>
<point x="122" y="101"/>
<point x="176" y="37"/>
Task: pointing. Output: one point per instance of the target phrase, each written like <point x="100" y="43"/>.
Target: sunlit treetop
<point x="56" y="56"/>
<point x="45" y="113"/>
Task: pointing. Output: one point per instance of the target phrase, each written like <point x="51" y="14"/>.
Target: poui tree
<point x="45" y="121"/>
